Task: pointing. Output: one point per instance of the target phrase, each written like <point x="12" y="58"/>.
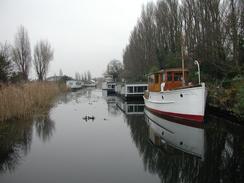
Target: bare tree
<point x="22" y="52"/>
<point x="114" y="68"/>
<point x="77" y="76"/>
<point x="85" y="76"/>
<point x="43" y="54"/>
<point x="5" y="62"/>
<point x="60" y="72"/>
<point x="89" y="76"/>
<point x="82" y="77"/>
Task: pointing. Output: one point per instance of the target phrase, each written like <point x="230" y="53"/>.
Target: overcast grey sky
<point x="85" y="34"/>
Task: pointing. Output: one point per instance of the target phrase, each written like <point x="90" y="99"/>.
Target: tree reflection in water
<point x="15" y="142"/>
<point x="16" y="139"/>
<point x="111" y="100"/>
<point x="112" y="107"/>
<point x="224" y="154"/>
<point x="44" y="127"/>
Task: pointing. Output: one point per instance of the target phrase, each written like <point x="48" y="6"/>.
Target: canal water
<point x="90" y="137"/>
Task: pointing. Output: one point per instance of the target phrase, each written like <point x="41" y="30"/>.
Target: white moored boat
<point x="169" y="95"/>
<point x="74" y="84"/>
<point x="108" y="84"/>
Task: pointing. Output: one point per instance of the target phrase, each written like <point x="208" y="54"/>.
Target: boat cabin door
<point x="154" y="82"/>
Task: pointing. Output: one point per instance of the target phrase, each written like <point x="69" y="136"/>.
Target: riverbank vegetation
<point x="19" y="97"/>
<point x="210" y="31"/>
<point x="228" y="97"/>
<point x="23" y="100"/>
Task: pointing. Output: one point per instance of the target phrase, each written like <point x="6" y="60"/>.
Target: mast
<point x="198" y="71"/>
<point x="182" y="60"/>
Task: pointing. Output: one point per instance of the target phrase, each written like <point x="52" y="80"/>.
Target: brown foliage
<point x="21" y="101"/>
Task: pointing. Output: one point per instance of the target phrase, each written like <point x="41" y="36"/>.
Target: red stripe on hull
<point x="196" y="118"/>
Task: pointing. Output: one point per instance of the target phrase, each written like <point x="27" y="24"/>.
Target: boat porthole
<point x="181" y="95"/>
<point x="162" y="133"/>
<point x="181" y="143"/>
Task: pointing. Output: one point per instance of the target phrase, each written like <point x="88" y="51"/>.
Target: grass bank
<point x="228" y="97"/>
<point x="23" y="100"/>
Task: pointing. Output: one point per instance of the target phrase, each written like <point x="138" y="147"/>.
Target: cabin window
<point x="163" y="77"/>
<point x="138" y="89"/>
<point x="178" y="76"/>
<point x="140" y="108"/>
<point x="136" y="108"/>
<point x="130" y="108"/>
<point x="151" y="79"/>
<point x="169" y="76"/>
<point x="130" y="89"/>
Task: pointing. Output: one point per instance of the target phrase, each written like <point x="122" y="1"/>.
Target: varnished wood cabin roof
<point x="178" y="69"/>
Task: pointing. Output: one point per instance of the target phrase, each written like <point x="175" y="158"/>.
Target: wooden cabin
<point x="167" y="79"/>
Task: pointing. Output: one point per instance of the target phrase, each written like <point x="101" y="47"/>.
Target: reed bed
<point x="23" y="100"/>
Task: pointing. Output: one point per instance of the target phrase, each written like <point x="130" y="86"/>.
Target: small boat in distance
<point x="108" y="84"/>
<point x="169" y="95"/>
<point x="90" y="83"/>
<point x="74" y="84"/>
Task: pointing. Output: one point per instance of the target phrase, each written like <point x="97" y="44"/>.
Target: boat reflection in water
<point x="189" y="139"/>
<point x="111" y="102"/>
<point x="131" y="107"/>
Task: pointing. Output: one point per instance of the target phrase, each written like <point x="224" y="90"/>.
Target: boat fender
<point x="162" y="86"/>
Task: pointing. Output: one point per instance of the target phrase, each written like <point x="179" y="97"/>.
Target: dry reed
<point x="21" y="101"/>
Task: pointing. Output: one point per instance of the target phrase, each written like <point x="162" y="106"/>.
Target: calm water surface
<point x="121" y="144"/>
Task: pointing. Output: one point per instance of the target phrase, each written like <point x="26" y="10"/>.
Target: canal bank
<point x="227" y="99"/>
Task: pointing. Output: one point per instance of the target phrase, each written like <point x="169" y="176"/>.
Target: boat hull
<point x="186" y="103"/>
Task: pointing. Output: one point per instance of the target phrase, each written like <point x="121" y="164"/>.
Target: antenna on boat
<point x="198" y="71"/>
<point x="182" y="60"/>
